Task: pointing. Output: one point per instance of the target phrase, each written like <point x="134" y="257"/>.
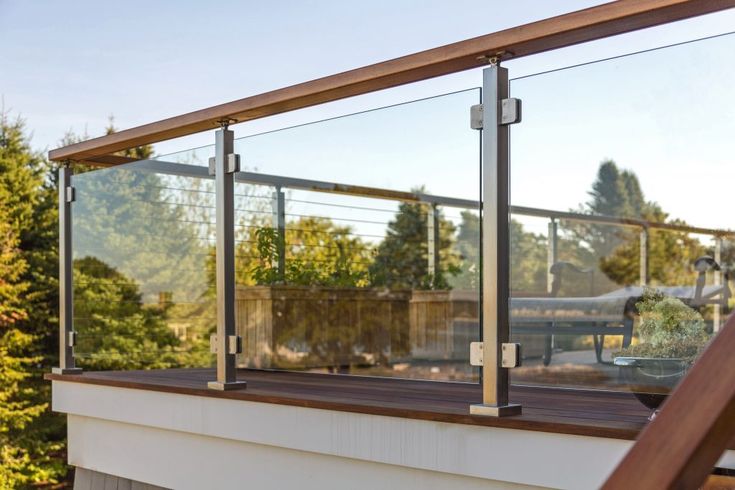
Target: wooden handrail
<point x="683" y="443"/>
<point x="556" y="32"/>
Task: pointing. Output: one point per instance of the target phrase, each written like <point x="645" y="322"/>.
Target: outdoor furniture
<point x="597" y="316"/>
<point x="695" y="296"/>
<point x="612" y="313"/>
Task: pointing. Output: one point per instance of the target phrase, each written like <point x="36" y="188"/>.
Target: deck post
<point x="67" y="335"/>
<point x="226" y="343"/>
<point x="552" y="252"/>
<point x="498" y="111"/>
<point x="278" y="204"/>
<point x="644" y="273"/>
<point x="433" y="246"/>
<point x="717" y="313"/>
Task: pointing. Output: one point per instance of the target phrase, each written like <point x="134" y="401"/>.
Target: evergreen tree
<point x="527" y="260"/>
<point x="31" y="206"/>
<point x="118" y="331"/>
<point x="468" y="251"/>
<point x="616" y="249"/>
<point x="527" y="256"/>
<point x="24" y="456"/>
<point x="31" y="435"/>
<point x="152" y="232"/>
<point x="401" y="260"/>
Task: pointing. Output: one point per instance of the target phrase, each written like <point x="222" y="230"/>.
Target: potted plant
<point x="671" y="336"/>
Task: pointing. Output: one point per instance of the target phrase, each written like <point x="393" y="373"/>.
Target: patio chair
<point x="548" y="314"/>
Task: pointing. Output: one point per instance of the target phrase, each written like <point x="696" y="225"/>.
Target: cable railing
<point x="308" y="245"/>
<point x="554" y="216"/>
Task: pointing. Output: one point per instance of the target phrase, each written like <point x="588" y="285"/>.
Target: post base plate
<point x="59" y="370"/>
<point x="496" y="410"/>
<point x="232" y="385"/>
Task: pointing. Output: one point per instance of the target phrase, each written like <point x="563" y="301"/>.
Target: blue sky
<point x="70" y="65"/>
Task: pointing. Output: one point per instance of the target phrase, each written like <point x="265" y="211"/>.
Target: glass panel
<point x="194" y="156"/>
<point x="630" y="161"/>
<point x="346" y="285"/>
<point x="143" y="268"/>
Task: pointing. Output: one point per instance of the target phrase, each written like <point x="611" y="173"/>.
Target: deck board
<point x="580" y="412"/>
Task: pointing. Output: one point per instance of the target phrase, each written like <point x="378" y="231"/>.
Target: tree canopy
<point x="401" y="258"/>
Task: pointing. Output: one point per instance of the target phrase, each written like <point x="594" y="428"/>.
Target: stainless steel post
<point x="279" y="224"/>
<point x="644" y="274"/>
<point x="67" y="336"/>
<point x="433" y="247"/>
<point x="497" y="112"/>
<point x="226" y="344"/>
<point x="717" y="314"/>
<point x="552" y="252"/>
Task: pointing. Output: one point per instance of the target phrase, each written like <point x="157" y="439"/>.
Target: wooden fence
<point x="333" y="328"/>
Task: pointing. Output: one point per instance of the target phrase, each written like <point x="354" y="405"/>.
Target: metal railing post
<point x="432" y="232"/>
<point x="67" y="335"/>
<point x="279" y="224"/>
<point x="644" y="253"/>
<point x="498" y="111"/>
<point x="717" y="313"/>
<point x="552" y="252"/>
<point x="226" y="343"/>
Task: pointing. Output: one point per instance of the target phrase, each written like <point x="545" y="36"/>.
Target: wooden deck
<point x="592" y="413"/>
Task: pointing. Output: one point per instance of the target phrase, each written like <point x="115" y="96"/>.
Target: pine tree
<point x="468" y="249"/>
<point x="616" y="249"/>
<point x="31" y="207"/>
<point x="141" y="249"/>
<point x="401" y="260"/>
<point x="28" y="307"/>
<point x="23" y="457"/>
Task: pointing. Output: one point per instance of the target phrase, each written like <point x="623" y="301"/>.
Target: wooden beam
<point x="557" y="32"/>
<point x="683" y="443"/>
<point x="108" y="160"/>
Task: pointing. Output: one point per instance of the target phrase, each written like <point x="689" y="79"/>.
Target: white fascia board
<point x="508" y="455"/>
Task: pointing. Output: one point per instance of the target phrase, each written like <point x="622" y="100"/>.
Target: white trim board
<point x="488" y="453"/>
<point x="183" y="461"/>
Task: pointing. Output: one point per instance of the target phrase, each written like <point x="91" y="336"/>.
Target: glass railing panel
<point x="640" y="172"/>
<point x="198" y="157"/>
<point x="374" y="269"/>
<point x="425" y="143"/>
<point x="143" y="239"/>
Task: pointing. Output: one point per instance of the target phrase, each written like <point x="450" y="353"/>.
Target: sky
<point x="667" y="115"/>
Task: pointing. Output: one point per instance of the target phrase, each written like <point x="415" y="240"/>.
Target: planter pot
<point x="651" y="379"/>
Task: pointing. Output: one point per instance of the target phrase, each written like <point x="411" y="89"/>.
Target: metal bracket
<point x="476" y="116"/>
<point x="70" y="194"/>
<point x="234" y="344"/>
<point x="510" y="113"/>
<point x="225" y="122"/>
<point x="510" y="358"/>
<point x="511" y="355"/>
<point x="232" y="164"/>
<point x="475" y="353"/>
